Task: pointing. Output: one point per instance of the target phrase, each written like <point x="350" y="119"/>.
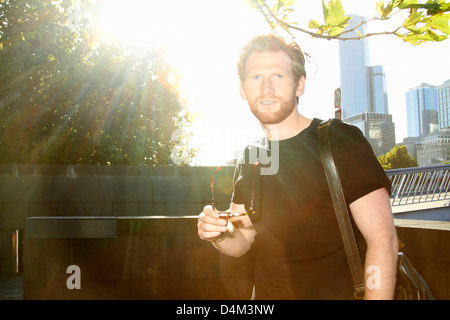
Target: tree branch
<point x="271" y="15"/>
<point x="285" y="25"/>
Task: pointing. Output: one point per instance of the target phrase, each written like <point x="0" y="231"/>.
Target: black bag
<point x="409" y="284"/>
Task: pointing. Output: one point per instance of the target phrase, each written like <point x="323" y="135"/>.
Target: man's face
<point x="269" y="86"/>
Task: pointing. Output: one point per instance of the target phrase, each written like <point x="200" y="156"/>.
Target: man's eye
<point x="278" y="76"/>
<point x="256" y="78"/>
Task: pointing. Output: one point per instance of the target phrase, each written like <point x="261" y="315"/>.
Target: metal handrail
<point x="419" y="184"/>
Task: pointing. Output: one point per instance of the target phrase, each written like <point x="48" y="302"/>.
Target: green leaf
<point x="407" y="4"/>
<point x="335" y="31"/>
<point x="420" y="38"/>
<point x="281" y="5"/>
<point x="334" y="14"/>
<point x="252" y="3"/>
<point x="286" y="3"/>
<point x="440" y="22"/>
<point x="380" y="9"/>
<point x="313" y="24"/>
<point x="384" y="12"/>
<point x="442" y="7"/>
<point x="431" y="5"/>
<point x="412" y="20"/>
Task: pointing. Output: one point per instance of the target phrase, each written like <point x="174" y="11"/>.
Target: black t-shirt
<point x="299" y="251"/>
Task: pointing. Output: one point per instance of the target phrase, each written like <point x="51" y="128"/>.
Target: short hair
<point x="273" y="43"/>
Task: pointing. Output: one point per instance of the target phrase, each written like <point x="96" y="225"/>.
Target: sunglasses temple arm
<point x="212" y="192"/>
<point x="253" y="184"/>
<point x="212" y="186"/>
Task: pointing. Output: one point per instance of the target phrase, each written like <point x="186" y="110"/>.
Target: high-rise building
<point x="353" y="61"/>
<point x="378" y="97"/>
<point x="364" y="99"/>
<point x="377" y="128"/>
<point x="421" y="110"/>
<point x="443" y="96"/>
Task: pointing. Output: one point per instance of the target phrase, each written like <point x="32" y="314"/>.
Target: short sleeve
<point x="359" y="169"/>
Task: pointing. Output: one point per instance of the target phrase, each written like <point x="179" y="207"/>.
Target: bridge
<point x="160" y="257"/>
<point x="421" y="193"/>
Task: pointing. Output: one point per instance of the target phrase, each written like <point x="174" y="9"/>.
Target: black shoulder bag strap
<point x="340" y="207"/>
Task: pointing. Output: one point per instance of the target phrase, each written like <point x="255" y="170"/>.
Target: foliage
<point x="425" y="22"/>
<point x="67" y="98"/>
<point x="398" y="157"/>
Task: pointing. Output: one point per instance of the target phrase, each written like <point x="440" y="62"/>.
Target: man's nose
<point x="267" y="86"/>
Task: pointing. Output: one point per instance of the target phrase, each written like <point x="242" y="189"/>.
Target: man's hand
<point x="210" y="225"/>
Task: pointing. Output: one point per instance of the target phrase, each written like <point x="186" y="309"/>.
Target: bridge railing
<point x="419" y="184"/>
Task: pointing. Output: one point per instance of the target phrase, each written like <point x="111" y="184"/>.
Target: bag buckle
<point x="359" y="292"/>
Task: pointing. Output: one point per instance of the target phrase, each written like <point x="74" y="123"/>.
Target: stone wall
<point x="427" y="245"/>
<point x="161" y="258"/>
<point x="156" y="258"/>
<point x="132" y="232"/>
<point x="117" y="191"/>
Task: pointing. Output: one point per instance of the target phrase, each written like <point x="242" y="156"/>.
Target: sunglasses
<point x="225" y="214"/>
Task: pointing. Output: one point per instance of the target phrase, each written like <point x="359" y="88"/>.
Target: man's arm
<point x="212" y="227"/>
<point x="373" y="216"/>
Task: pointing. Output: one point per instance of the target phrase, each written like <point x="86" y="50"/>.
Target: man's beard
<point x="276" y="115"/>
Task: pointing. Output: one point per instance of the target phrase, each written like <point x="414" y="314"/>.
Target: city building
<point x="378" y="97"/>
<point x="353" y="61"/>
<point x="412" y="144"/>
<point x="428" y="111"/>
<point x="378" y="129"/>
<point x="363" y="99"/>
<point x="435" y="148"/>
<point x="421" y="110"/>
<point x="443" y="100"/>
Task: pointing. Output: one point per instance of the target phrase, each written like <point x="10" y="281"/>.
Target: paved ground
<point x="11" y="287"/>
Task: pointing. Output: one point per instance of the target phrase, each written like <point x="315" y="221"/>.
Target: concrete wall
<point x="161" y="258"/>
<point x="158" y="258"/>
<point x="427" y="245"/>
<point x="40" y="190"/>
<point x="125" y="250"/>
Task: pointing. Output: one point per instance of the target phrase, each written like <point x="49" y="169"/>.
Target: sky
<point x="202" y="38"/>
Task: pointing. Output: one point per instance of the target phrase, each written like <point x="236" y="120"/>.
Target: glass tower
<point x="364" y="98"/>
<point x="421" y="109"/>
<point x="353" y="60"/>
<point x="377" y="90"/>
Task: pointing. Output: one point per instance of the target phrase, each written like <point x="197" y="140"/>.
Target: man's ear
<point x="300" y="86"/>
<point x="242" y="91"/>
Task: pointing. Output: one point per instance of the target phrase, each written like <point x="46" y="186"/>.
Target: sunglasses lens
<point x="229" y="214"/>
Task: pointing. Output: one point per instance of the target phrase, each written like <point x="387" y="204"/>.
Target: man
<point x="299" y="251"/>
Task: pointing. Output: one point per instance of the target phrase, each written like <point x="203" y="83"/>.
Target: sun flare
<point x="138" y="22"/>
<point x="201" y="40"/>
